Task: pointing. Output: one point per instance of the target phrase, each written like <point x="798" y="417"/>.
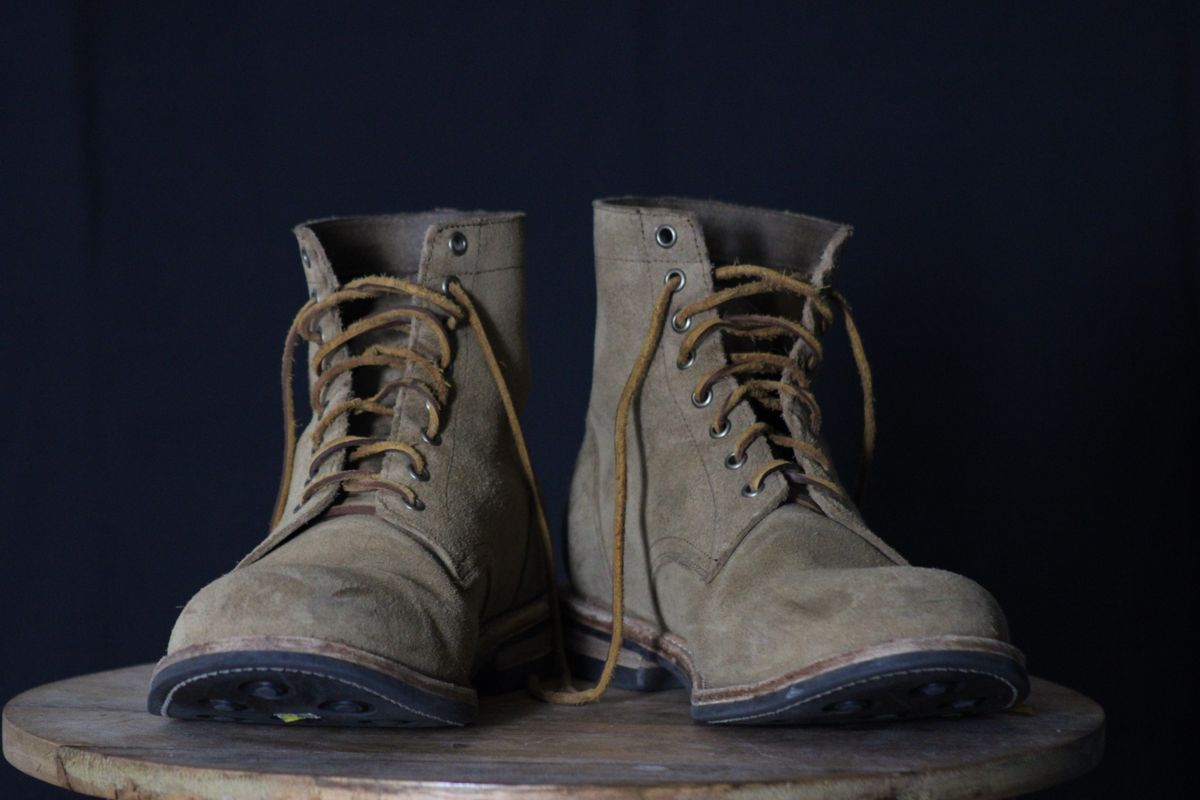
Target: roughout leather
<point x="757" y="587"/>
<point x="414" y="587"/>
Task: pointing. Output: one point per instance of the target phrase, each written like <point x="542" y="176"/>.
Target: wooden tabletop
<point x="93" y="735"/>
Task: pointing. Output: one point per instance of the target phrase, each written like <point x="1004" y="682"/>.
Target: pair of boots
<point x="709" y="540"/>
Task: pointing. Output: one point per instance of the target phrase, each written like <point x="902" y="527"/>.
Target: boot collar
<point x="423" y="246"/>
<point x="678" y="229"/>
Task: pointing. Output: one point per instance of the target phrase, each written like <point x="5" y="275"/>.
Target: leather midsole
<point x="673" y="648"/>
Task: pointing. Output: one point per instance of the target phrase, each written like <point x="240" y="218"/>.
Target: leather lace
<point x="446" y="311"/>
<point x="764" y="376"/>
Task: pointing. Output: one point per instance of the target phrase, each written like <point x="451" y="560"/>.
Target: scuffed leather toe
<point x="400" y="606"/>
<point x="783" y="602"/>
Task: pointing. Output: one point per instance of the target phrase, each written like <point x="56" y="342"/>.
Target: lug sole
<point x="902" y="680"/>
<point x="307" y="682"/>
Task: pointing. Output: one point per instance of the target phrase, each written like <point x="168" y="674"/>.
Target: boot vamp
<point x="351" y="580"/>
<point x="801" y="589"/>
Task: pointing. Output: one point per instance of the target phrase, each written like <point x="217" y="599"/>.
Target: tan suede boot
<point x="406" y="562"/>
<point x="748" y="573"/>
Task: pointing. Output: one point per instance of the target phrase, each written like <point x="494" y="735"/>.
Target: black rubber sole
<point x="290" y="688"/>
<point x="284" y="687"/>
<point x="905" y="686"/>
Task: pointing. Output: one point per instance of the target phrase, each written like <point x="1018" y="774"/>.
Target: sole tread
<point x="290" y="688"/>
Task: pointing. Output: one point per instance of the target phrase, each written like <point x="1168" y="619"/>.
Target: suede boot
<point x="406" y="564"/>
<point x="705" y="515"/>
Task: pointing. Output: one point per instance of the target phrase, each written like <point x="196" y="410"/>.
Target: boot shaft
<point x="689" y="501"/>
<point x="640" y="241"/>
<point x="486" y="250"/>
<point x="471" y="479"/>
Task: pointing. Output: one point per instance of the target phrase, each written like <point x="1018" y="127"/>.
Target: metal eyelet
<point x="701" y="402"/>
<point x="722" y="432"/>
<point x="415" y="505"/>
<point x="304" y="259"/>
<point x="422" y="476"/>
<point x="665" y="236"/>
<point x="434" y="441"/>
<point x="732" y="462"/>
<point x="680" y="327"/>
<point x="691" y="359"/>
<point x="675" y="273"/>
<point x="458" y="243"/>
<point x="748" y="492"/>
<point x="449" y="281"/>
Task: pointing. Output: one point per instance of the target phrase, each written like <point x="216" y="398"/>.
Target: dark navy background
<point x="1023" y="181"/>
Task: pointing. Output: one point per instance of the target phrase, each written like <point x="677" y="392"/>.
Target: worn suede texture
<point x="757" y="586"/>
<point x="417" y="587"/>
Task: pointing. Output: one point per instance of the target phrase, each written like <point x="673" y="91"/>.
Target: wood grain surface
<point x="93" y="735"/>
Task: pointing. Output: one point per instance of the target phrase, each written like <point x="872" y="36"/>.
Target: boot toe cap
<point x="402" y="620"/>
<point x="823" y="614"/>
<point x="845" y="609"/>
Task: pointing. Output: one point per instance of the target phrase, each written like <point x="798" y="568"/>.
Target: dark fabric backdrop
<point x="1022" y="177"/>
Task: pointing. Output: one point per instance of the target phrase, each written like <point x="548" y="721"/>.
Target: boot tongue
<point x="341" y="250"/>
<point x="781" y="305"/>
<point x="819" y="255"/>
<point x="796" y="245"/>
<point x="795" y="419"/>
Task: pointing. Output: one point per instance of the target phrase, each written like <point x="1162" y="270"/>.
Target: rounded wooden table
<point x="93" y="735"/>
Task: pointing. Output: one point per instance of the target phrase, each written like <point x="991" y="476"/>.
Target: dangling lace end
<point x="868" y="391"/>
<point x="289" y="412"/>
<point x="564" y="697"/>
<point x="560" y="696"/>
<point x="632" y="387"/>
<point x="565" y="686"/>
<point x="568" y="695"/>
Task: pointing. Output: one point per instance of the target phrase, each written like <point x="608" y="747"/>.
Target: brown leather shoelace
<point x="763" y="376"/>
<point x="447" y="310"/>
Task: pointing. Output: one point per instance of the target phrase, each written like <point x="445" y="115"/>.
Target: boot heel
<point x="510" y="666"/>
<point x="637" y="669"/>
